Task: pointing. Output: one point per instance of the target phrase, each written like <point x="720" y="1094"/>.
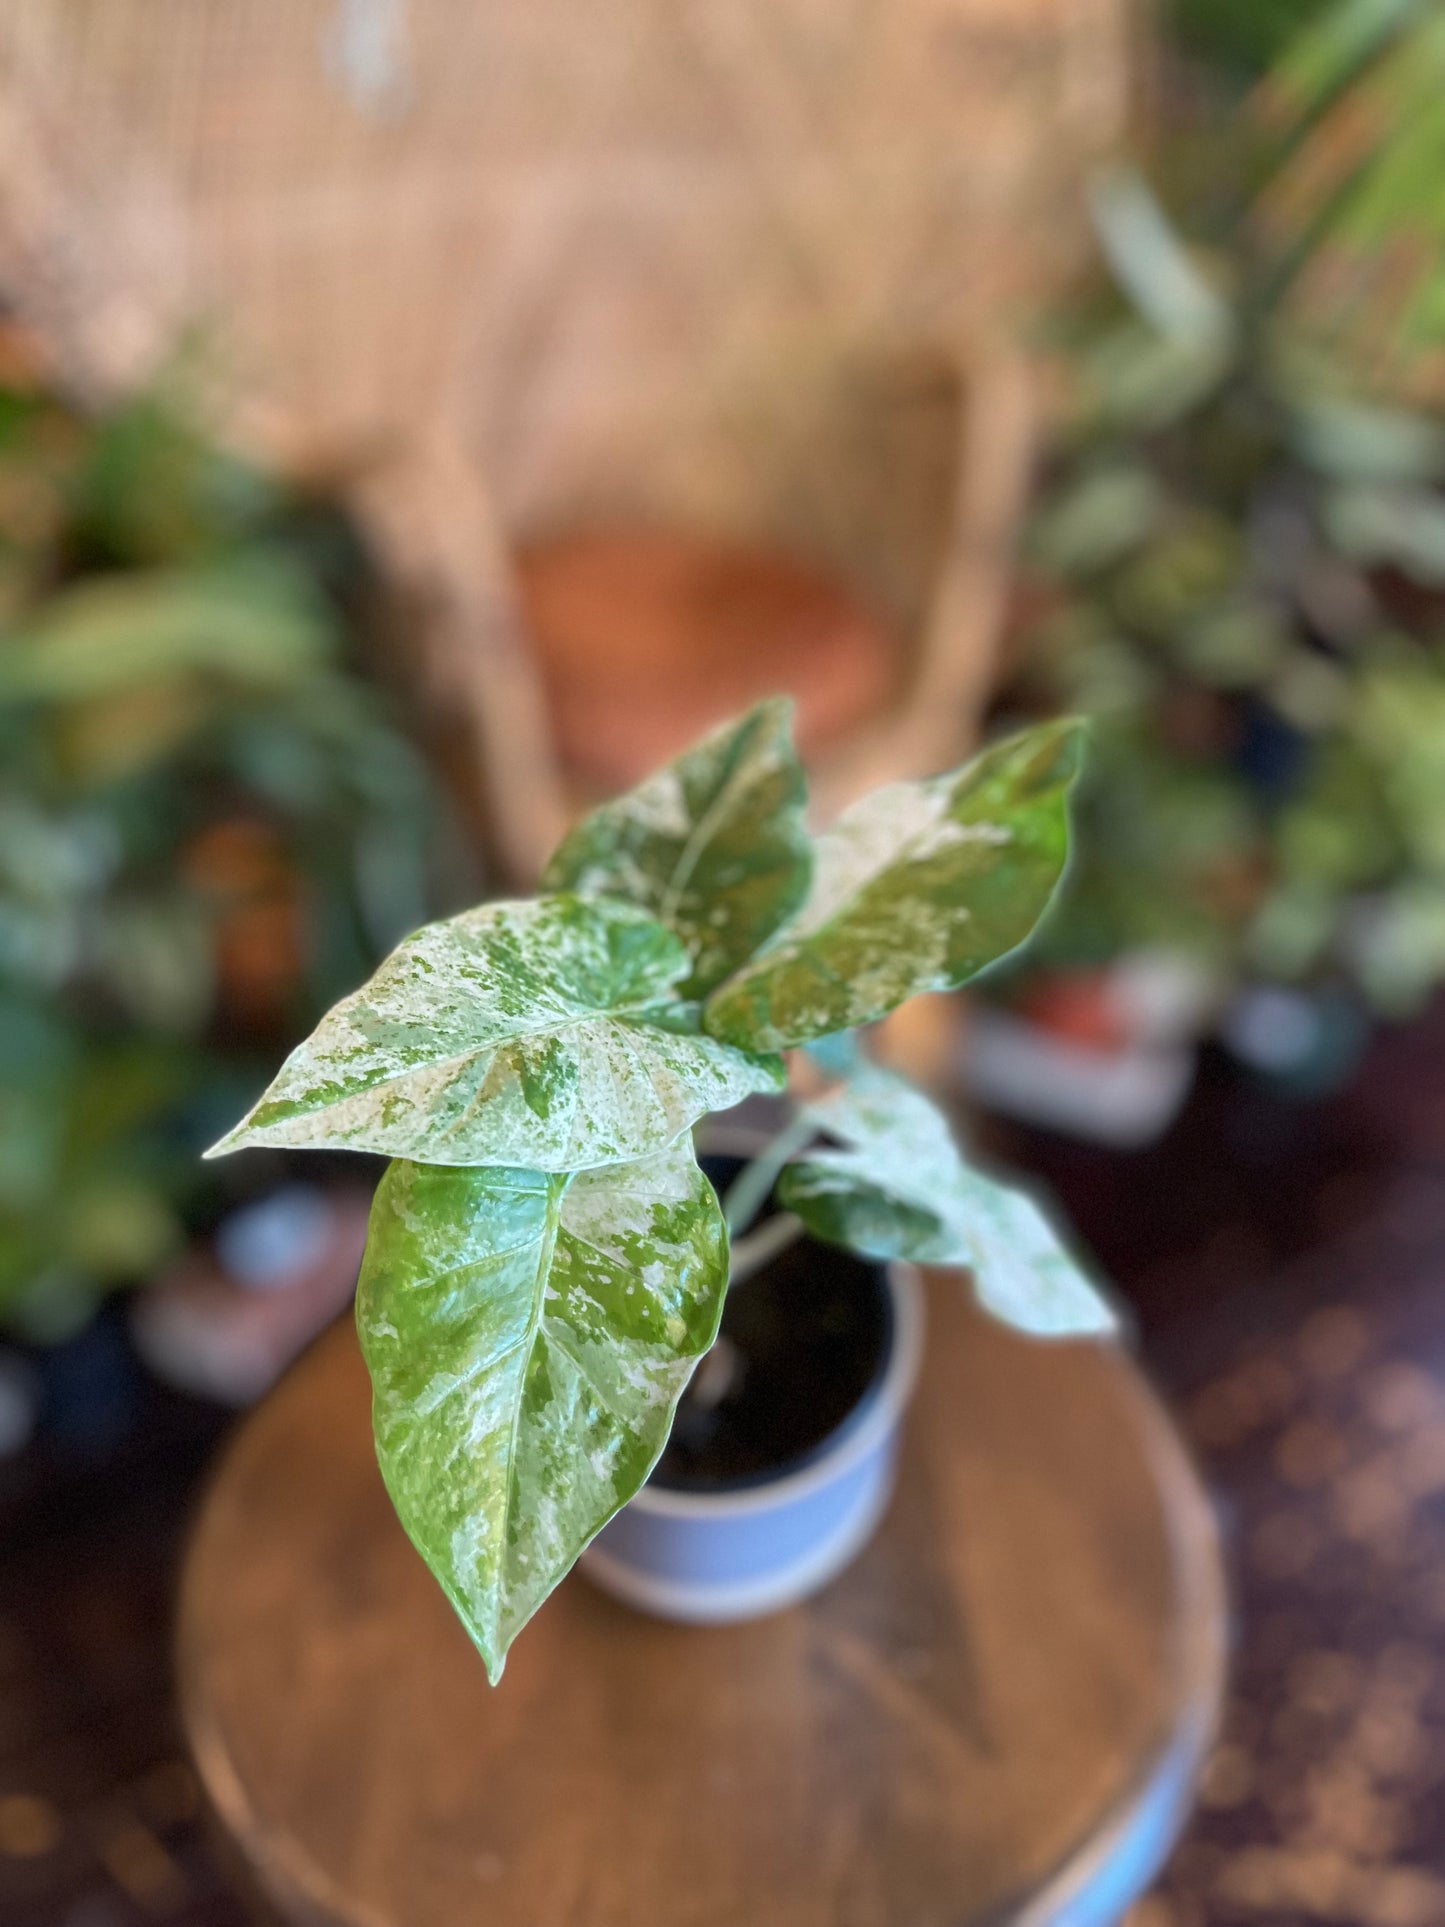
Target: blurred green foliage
<point x="1351" y="214"/>
<point x="1243" y="37"/>
<point x="1237" y="566"/>
<point x="210" y="825"/>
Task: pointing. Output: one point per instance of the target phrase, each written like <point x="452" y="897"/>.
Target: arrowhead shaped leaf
<point x="543" y="1034"/>
<point x="918" y="887"/>
<point x="713" y="846"/>
<point x="528" y="1336"/>
<point x="900" y="1189"/>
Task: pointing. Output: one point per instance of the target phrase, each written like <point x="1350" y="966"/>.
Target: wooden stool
<point x="996" y="1714"/>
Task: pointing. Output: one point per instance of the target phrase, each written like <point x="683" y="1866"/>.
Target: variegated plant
<point x="546" y="1262"/>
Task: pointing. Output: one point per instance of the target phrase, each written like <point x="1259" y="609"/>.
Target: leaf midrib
<point x="547" y="1245"/>
<point x="736" y="779"/>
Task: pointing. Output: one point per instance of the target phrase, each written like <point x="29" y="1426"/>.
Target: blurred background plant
<point x="1237" y="565"/>
<point x="210" y="824"/>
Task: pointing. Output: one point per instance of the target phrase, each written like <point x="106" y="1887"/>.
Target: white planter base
<point x="711" y="1557"/>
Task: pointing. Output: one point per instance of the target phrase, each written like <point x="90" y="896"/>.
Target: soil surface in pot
<point x="803" y="1341"/>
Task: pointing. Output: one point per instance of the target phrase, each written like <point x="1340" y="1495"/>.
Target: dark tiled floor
<point x="1288" y="1265"/>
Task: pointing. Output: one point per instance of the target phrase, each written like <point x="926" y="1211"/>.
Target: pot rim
<point x="872" y="1418"/>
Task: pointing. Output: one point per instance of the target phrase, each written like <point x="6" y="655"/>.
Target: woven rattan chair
<point x="744" y="268"/>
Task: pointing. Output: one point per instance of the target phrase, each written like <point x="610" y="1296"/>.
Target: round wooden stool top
<point x="995" y="1714"/>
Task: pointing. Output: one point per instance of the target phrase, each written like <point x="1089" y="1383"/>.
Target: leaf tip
<point x="1059" y="747"/>
<point x="1081" y="1309"/>
<point x="1076" y="737"/>
<point x="780" y="711"/>
<point x="1094" y="1316"/>
<point x="234" y="1140"/>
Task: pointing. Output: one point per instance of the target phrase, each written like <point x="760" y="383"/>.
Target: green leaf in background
<point x="152" y="484"/>
<point x="713" y="845"/>
<point x="155" y="954"/>
<point x="1154" y="265"/>
<point x="543" y="1033"/>
<point x="1233" y="644"/>
<point x="1398" y="720"/>
<point x="917" y="888"/>
<point x="1376" y="525"/>
<point x="1357" y="442"/>
<point x="86" y="1192"/>
<point x="1098" y="519"/>
<point x="164" y="607"/>
<point x="1242" y="36"/>
<point x="1399" y="942"/>
<point x="899" y="1189"/>
<point x="528" y="1338"/>
<point x="1351" y="217"/>
<point x="1335" y="49"/>
<point x="259" y="624"/>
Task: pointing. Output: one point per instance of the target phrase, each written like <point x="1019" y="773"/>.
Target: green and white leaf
<point x="528" y="1336"/>
<point x="713" y="845"/>
<point x="918" y="887"/>
<point x="545" y="1034"/>
<point x="899" y="1188"/>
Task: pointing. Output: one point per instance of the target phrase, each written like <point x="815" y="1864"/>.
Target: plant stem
<point x="750" y="1254"/>
<point x="748" y="1192"/>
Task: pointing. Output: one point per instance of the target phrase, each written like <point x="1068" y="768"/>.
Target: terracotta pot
<point x="645" y="638"/>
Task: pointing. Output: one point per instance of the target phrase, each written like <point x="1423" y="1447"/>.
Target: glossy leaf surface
<point x="899" y="1188"/>
<point x="544" y="1034"/>
<point x="713" y="845"/>
<point x="528" y="1336"/>
<point x="917" y="888"/>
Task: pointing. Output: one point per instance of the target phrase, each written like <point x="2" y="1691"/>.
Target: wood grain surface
<point x="965" y="1726"/>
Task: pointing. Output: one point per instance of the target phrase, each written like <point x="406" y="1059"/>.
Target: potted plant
<point x="1235" y="570"/>
<point x="547" y="1262"/>
<point x="210" y="825"/>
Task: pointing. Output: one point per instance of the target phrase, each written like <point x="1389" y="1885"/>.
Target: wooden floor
<point x="1288" y="1265"/>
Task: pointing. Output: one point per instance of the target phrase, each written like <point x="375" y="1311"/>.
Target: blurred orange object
<point x="1081" y="1006"/>
<point x="25" y="357"/>
<point x="242" y="866"/>
<point x="646" y="637"/>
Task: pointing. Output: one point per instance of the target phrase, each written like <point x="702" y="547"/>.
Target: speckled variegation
<point x="918" y="887"/>
<point x="900" y="1189"/>
<point x="713" y="845"/>
<point x="528" y="1336"/>
<point x="543" y="1033"/>
<point x="545" y="1262"/>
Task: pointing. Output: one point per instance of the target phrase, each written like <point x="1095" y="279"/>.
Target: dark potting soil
<point x="803" y="1341"/>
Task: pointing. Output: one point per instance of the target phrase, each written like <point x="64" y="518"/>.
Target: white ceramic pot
<point x="713" y="1556"/>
